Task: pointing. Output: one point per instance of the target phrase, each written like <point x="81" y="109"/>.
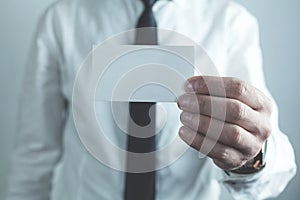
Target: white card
<point x="146" y="74"/>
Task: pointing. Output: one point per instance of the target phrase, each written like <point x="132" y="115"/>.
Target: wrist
<point x="254" y="165"/>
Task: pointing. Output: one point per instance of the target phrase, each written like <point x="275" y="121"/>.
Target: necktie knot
<point x="149" y="3"/>
<point x="147" y="19"/>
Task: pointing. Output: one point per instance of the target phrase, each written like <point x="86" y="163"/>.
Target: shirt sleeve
<point x="40" y="119"/>
<point x="245" y="62"/>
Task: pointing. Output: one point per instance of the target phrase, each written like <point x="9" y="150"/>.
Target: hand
<point x="243" y="110"/>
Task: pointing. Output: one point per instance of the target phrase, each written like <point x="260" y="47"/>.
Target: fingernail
<point x="185" y="134"/>
<point x="184" y="117"/>
<point x="183" y="101"/>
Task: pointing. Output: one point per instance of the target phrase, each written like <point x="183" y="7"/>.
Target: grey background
<point x="280" y="31"/>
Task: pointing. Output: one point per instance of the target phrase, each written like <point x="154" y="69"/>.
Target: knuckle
<point x="194" y="121"/>
<point x="202" y="83"/>
<point x="238" y="87"/>
<point x="196" y="142"/>
<point x="237" y="111"/>
<point x="202" y="104"/>
<point x="200" y="80"/>
<point x="230" y="164"/>
<point x="264" y="130"/>
<point x="252" y="151"/>
<point x="223" y="155"/>
<point x="267" y="130"/>
<point x="236" y="136"/>
<point x="193" y="102"/>
<point x="204" y="125"/>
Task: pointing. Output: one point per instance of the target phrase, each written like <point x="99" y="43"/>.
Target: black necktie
<point x="141" y="186"/>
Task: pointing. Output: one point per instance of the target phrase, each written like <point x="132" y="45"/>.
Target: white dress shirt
<point x="46" y="133"/>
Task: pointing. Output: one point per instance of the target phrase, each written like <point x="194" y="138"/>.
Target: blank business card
<point x="141" y="73"/>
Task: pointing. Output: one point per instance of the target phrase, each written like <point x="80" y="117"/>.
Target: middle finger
<point x="224" y="109"/>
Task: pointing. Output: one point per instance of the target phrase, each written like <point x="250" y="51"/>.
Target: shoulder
<point x="228" y="10"/>
<point x="59" y="8"/>
<point x="236" y="11"/>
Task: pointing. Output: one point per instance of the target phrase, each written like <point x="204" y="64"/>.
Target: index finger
<point x="227" y="87"/>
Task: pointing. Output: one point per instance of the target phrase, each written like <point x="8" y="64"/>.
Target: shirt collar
<point x="179" y="2"/>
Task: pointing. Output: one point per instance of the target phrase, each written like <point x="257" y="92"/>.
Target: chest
<point x="91" y="25"/>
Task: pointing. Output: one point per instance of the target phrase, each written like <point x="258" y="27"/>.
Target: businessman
<point x="251" y="157"/>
